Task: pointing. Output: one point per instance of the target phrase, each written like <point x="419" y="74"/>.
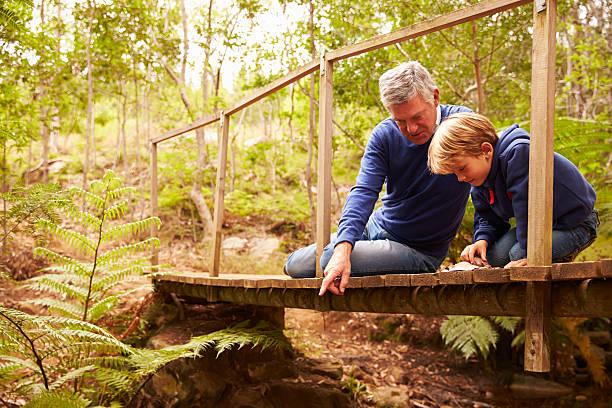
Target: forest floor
<point x="388" y="360"/>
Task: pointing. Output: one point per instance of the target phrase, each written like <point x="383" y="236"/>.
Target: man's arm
<point x="338" y="270"/>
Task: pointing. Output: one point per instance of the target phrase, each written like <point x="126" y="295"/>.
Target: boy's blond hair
<point x="461" y="134"/>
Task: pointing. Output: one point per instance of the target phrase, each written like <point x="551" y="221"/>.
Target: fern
<point x="85" y="296"/>
<point x="472" y="335"/>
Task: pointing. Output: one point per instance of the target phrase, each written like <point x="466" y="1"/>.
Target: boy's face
<point x="474" y="169"/>
<point x="416" y="118"/>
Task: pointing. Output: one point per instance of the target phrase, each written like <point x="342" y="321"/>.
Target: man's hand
<point x="338" y="270"/>
<point x="518" y="262"/>
<point x="476" y="254"/>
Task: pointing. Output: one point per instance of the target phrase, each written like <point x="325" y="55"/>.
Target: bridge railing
<point x="541" y="154"/>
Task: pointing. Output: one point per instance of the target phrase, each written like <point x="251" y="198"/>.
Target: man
<point x="421" y="212"/>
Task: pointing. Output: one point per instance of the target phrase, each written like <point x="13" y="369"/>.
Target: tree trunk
<point x="311" y="126"/>
<point x="90" y="123"/>
<point x="477" y="71"/>
<point x="233" y="147"/>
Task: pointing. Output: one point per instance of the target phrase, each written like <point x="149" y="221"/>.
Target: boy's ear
<point x="487" y="149"/>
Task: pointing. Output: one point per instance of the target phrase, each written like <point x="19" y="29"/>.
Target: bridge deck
<point x="578" y="289"/>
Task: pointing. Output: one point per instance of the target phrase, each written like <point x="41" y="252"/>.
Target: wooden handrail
<point x="453" y="18"/>
<point x="207" y="120"/>
<point x="274" y="86"/>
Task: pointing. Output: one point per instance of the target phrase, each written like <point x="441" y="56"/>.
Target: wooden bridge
<point x="537" y="292"/>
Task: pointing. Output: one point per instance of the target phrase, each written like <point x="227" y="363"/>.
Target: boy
<point x="467" y="145"/>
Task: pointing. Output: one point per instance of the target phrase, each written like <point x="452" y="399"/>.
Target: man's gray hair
<point x="402" y="83"/>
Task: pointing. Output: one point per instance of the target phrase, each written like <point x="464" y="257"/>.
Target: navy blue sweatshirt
<point x="504" y="193"/>
<point x="420" y="209"/>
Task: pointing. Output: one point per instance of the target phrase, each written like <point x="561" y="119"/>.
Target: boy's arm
<point x="517" y="181"/>
<point x="488" y="226"/>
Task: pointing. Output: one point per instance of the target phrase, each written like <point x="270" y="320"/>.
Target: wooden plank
<point x="469" y="13"/>
<point x="277" y="281"/>
<point x="530" y="273"/>
<point x="455" y="278"/>
<point x="326" y="90"/>
<point x="374" y="281"/>
<point x="154" y="203"/>
<point x="274" y="86"/>
<point x="424" y="279"/>
<point x="606" y="268"/>
<point x="219" y="194"/>
<point x="304" y="283"/>
<point x="491" y="275"/>
<point x="575" y="270"/>
<point x="206" y="120"/>
<point x="539" y="228"/>
<point x="355" y="283"/>
<point x="402" y="279"/>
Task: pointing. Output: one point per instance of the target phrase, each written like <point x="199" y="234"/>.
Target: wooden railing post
<point x="153" y="164"/>
<point x="220" y="193"/>
<point x="539" y="230"/>
<point x="324" y="162"/>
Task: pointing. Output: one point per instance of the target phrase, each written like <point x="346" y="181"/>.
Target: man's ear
<point x="436" y="97"/>
<point x="487" y="150"/>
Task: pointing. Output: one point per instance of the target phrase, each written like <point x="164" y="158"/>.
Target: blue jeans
<point x="376" y="253"/>
<point x="566" y="244"/>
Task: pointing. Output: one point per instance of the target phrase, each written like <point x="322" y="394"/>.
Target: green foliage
<point x="29" y="205"/>
<point x="106" y="254"/>
<point x="473" y="335"/>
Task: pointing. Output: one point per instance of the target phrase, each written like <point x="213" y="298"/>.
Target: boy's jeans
<point x="376" y="253"/>
<point x="566" y="244"/>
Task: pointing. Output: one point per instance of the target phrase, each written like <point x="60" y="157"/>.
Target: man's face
<point x="416" y="118"/>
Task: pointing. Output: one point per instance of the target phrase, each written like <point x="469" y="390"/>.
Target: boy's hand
<point x="518" y="262"/>
<point x="476" y="254"/>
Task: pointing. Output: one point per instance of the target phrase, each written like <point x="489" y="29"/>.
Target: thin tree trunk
<point x="138" y="159"/>
<point x="89" y="96"/>
<point x="118" y="141"/>
<point x="123" y="134"/>
<point x="311" y="125"/>
<point x="233" y="147"/>
<point x="477" y="73"/>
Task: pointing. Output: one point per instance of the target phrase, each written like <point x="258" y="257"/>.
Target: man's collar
<point x="438" y="118"/>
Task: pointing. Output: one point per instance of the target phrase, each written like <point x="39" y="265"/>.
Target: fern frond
<point x="72" y="238"/>
<point x="508" y="323"/>
<point x="127" y="250"/>
<point x="66" y="309"/>
<point x="74" y="374"/>
<point x="116" y="211"/>
<point x="98" y="309"/>
<point x="116" y="277"/>
<point x="20" y="363"/>
<point x="120" y="380"/>
<point x="93" y="199"/>
<point x="70" y="264"/>
<point x="121" y="192"/>
<point x="583" y="343"/>
<point x="84" y="218"/>
<point x="49" y="283"/>
<point x="469" y="335"/>
<point x="148" y="361"/>
<point x="130" y="229"/>
<point x="58" y="398"/>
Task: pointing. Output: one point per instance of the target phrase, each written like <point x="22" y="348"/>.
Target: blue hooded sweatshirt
<point x="420" y="209"/>
<point x="504" y="193"/>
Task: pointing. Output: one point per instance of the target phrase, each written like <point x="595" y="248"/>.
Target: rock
<point x="263" y="248"/>
<point x="396" y="396"/>
<point x="234" y="244"/>
<point x="528" y="387"/>
<point x="331" y="369"/>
